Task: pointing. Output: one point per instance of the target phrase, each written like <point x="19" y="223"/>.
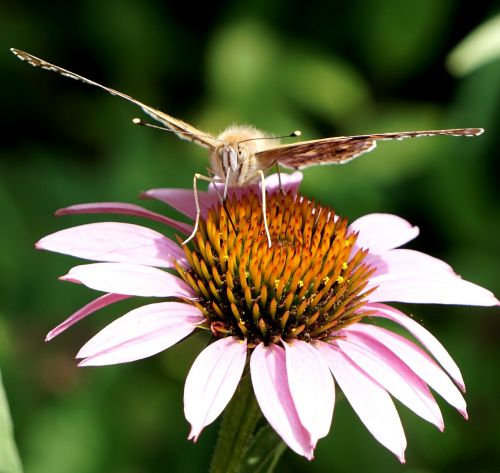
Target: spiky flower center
<point x="307" y="285"/>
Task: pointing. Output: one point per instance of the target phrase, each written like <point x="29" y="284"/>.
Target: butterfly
<point x="240" y="155"/>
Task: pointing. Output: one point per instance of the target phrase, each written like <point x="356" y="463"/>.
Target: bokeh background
<point x="327" y="68"/>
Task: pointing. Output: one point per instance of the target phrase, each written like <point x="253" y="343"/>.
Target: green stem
<point x="236" y="430"/>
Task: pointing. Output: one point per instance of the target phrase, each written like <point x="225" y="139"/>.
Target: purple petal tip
<point x="84" y="363"/>
<point x="64" y="277"/>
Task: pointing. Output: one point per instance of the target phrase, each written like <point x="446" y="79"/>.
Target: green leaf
<point x="399" y="38"/>
<point x="479" y="47"/>
<point x="264" y="452"/>
<point x="9" y="457"/>
<point x="242" y="61"/>
<point x="324" y="85"/>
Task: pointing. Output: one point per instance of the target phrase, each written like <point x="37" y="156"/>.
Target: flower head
<point x="300" y="312"/>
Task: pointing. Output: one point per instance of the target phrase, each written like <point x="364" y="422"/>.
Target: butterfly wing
<point x="182" y="129"/>
<point x="341" y="149"/>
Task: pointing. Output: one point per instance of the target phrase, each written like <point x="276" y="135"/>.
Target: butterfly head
<point x="234" y="159"/>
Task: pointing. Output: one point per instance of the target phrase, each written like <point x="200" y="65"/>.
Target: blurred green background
<point x="327" y="68"/>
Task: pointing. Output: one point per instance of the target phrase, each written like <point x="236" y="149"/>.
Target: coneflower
<point x="301" y="314"/>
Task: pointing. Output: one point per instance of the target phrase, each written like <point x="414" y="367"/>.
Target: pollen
<point x="308" y="284"/>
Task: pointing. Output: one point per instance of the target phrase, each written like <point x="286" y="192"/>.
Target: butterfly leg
<point x="264" y="208"/>
<point x="197" y="203"/>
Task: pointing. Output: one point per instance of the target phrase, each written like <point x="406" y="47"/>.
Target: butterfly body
<point x="235" y="160"/>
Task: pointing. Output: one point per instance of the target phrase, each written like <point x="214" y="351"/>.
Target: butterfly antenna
<point x="138" y="121"/>
<point x="293" y="134"/>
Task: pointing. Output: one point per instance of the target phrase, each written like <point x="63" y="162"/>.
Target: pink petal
<point x="309" y="378"/>
<point x="424" y="336"/>
<point x="400" y="263"/>
<point x="418" y="361"/>
<point x="212" y="381"/>
<point x="290" y="183"/>
<point x="90" y="308"/>
<point x="141" y="333"/>
<point x="433" y="288"/>
<point x="115" y="242"/>
<point x="270" y="384"/>
<point x="392" y="374"/>
<point x="124" y="209"/>
<point x="369" y="400"/>
<point x="129" y="279"/>
<point x="232" y="192"/>
<point x="381" y="232"/>
<point x="183" y="200"/>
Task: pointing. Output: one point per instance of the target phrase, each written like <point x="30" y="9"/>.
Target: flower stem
<point x="236" y="430"/>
